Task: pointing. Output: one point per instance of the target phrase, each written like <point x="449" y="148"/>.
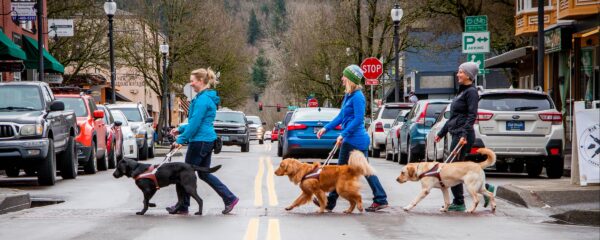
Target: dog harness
<point x="315" y="173"/>
<point x="150" y="173"/>
<point x="433" y="172"/>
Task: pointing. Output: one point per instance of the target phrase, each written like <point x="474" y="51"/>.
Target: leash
<point x="316" y="173"/>
<point x="454" y="154"/>
<point x="169" y="155"/>
<point x="330" y="156"/>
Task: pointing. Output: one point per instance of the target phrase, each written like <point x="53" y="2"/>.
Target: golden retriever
<point x="341" y="178"/>
<point x="451" y="174"/>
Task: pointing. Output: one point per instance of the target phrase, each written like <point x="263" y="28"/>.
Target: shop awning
<point x="9" y="50"/>
<point x="120" y="97"/>
<point x="31" y="49"/>
<point x="508" y="59"/>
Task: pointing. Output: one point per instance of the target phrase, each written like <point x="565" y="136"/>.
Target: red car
<point x="114" y="141"/>
<point x="275" y="132"/>
<point x="91" y="141"/>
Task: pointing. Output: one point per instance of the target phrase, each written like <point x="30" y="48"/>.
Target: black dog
<point x="178" y="173"/>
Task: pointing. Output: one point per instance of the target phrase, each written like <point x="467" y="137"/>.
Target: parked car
<point x="523" y="128"/>
<point x="130" y="147"/>
<point x="438" y="151"/>
<point x="37" y="134"/>
<point x="282" y="130"/>
<point x="268" y="135"/>
<point x="382" y="123"/>
<point x="114" y="139"/>
<point x="232" y="128"/>
<point x="257" y="130"/>
<point x="301" y="133"/>
<point x="391" y="141"/>
<point x="275" y="132"/>
<point x="91" y="141"/>
<point x="141" y="124"/>
<point x="414" y="130"/>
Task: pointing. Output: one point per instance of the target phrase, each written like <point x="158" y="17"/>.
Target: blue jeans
<point x="379" y="194"/>
<point x="199" y="154"/>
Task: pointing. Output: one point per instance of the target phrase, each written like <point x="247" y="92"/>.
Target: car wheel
<point x="151" y="151"/>
<point x="389" y="156"/>
<point x="47" y="169"/>
<point x="370" y="150"/>
<point x="411" y="156"/>
<point x="517" y="166"/>
<point x="30" y="171"/>
<point x="555" y="167"/>
<point x="279" y="150"/>
<point x="112" y="158"/>
<point x="402" y="158"/>
<point x="120" y="157"/>
<point x="12" y="171"/>
<point x="68" y="161"/>
<point x="246" y="147"/>
<point x="91" y="167"/>
<point x="261" y="141"/>
<point x="534" y="167"/>
<point x="376" y="152"/>
<point x="143" y="151"/>
<point x="103" y="162"/>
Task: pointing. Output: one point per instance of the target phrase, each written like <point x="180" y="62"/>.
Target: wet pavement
<point x="101" y="207"/>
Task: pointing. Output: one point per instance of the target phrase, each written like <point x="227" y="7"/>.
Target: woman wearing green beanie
<point x="354" y="136"/>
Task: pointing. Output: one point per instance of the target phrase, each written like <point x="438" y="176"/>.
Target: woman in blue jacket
<point x="354" y="136"/>
<point x="200" y="136"/>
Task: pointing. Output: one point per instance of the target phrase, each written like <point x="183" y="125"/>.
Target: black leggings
<point x="457" y="191"/>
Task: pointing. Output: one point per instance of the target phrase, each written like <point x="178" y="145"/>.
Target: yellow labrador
<point x="446" y="175"/>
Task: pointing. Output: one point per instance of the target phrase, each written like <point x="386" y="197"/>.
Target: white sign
<point x="53" y="78"/>
<point x="587" y="127"/>
<point x="23" y="11"/>
<point x="61" y="27"/>
<point x="476" y="42"/>
<point x="189" y="92"/>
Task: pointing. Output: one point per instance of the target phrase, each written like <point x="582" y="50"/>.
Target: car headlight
<point x="32" y="130"/>
<point x="140" y="135"/>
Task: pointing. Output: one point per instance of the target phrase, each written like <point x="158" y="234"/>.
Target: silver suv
<point x="257" y="131"/>
<point x="141" y="125"/>
<point x="523" y="128"/>
<point x="379" y="128"/>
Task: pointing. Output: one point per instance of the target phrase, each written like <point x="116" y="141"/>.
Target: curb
<point x="13" y="202"/>
<point x="589" y="217"/>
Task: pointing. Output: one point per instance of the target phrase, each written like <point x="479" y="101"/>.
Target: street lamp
<point x="164" y="49"/>
<point x="110" y="8"/>
<point x="396" y="16"/>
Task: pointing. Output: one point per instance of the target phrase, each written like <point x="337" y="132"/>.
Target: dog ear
<point x="133" y="169"/>
<point x="412" y="172"/>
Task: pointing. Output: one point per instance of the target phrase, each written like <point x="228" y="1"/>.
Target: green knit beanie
<point x="353" y="73"/>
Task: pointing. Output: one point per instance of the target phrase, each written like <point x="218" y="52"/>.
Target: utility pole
<point x="40" y="31"/>
<point x="540" y="41"/>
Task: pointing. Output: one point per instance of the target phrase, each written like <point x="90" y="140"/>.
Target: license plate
<point x="224" y="138"/>
<point x="315" y="130"/>
<point x="515" y="126"/>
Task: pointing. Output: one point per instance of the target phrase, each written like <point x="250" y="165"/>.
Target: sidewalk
<point x="161" y="151"/>
<point x="12" y="200"/>
<point x="558" y="197"/>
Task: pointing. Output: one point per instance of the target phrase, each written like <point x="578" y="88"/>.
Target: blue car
<point x="300" y="137"/>
<point x="417" y="124"/>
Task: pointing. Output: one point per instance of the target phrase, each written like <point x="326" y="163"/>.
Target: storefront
<point x="11" y="58"/>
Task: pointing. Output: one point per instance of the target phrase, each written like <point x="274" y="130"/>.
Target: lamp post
<point x="40" y="23"/>
<point x="164" y="49"/>
<point x="110" y="8"/>
<point x="396" y="16"/>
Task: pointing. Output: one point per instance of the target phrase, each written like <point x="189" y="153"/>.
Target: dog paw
<point x="198" y="213"/>
<point x="289" y="208"/>
<point x="347" y="212"/>
<point x="407" y="208"/>
<point x="139" y="213"/>
<point x="151" y="204"/>
<point x="443" y="209"/>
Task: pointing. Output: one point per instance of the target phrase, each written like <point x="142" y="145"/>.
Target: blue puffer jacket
<point x="351" y="117"/>
<point x="203" y="109"/>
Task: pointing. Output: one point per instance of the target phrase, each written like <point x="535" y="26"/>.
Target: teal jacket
<point x="203" y="109"/>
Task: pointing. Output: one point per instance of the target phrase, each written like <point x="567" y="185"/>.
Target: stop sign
<point x="372" y="68"/>
<point x="313" y="102"/>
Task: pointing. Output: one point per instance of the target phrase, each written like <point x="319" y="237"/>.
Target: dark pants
<point x="457" y="191"/>
<point x="199" y="154"/>
<point x="378" y="192"/>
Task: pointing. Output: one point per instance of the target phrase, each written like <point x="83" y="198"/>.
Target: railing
<point x="572" y="9"/>
<point x="526" y="22"/>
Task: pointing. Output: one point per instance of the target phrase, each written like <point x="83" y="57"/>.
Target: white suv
<point x="523" y="128"/>
<point x="141" y="125"/>
<point x="379" y="128"/>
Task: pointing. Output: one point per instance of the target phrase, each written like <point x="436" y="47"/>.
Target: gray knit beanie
<point x="471" y="69"/>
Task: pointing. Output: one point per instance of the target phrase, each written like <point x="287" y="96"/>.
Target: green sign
<point x="476" y="42"/>
<point x="292" y="108"/>
<point x="476" y="23"/>
<point x="478" y="58"/>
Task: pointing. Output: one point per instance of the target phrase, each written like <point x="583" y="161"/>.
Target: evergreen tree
<point x="278" y="19"/>
<point x="259" y="72"/>
<point x="254" y="32"/>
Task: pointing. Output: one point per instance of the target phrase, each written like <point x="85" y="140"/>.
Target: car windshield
<point x="514" y="102"/>
<point x="118" y="116"/>
<point x="20" y="98"/>
<point x="233" y="117"/>
<point x="132" y="114"/>
<point x="315" y="115"/>
<point x="76" y="105"/>
<point x="253" y="120"/>
<point x="288" y="117"/>
<point x="434" y="109"/>
<point x="390" y="112"/>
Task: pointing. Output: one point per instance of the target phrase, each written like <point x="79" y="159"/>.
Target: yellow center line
<point x="252" y="230"/>
<point x="271" y="184"/>
<point x="273" y="230"/>
<point x="258" y="201"/>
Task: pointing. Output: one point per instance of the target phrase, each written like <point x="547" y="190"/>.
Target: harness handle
<point x="454" y="154"/>
<point x="330" y="156"/>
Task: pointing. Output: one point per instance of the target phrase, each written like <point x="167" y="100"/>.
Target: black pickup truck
<point x="36" y="133"/>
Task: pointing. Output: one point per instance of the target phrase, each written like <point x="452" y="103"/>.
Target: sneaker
<point x="376" y="207"/>
<point x="486" y="199"/>
<point x="229" y="208"/>
<point x="457" y="208"/>
<point x="316" y="202"/>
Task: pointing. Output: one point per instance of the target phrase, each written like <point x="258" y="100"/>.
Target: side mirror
<point x="405" y="117"/>
<point x="149" y="120"/>
<point x="57" y="106"/>
<point x="264" y="123"/>
<point x="118" y="123"/>
<point x="98" y="114"/>
<point x="447" y="115"/>
<point x="428" y="123"/>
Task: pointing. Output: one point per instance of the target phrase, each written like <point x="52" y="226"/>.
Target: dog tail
<point x="359" y="163"/>
<point x="205" y="169"/>
<point x="491" y="157"/>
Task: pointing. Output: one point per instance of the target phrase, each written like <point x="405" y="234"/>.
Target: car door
<point x="406" y="127"/>
<point x="56" y="121"/>
<point x="99" y="127"/>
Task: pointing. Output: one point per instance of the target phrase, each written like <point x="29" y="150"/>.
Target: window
<point x="20" y="98"/>
<point x="232" y="117"/>
<point x="314" y="115"/>
<point x="531" y="5"/>
<point x="515" y="102"/>
<point x="132" y="114"/>
<point x="77" y="105"/>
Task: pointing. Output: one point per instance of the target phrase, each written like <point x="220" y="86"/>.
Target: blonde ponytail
<point x="207" y="76"/>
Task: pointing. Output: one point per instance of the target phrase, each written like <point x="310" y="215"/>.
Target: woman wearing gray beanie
<point x="460" y="125"/>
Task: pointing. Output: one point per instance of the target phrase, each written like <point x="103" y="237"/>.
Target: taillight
<point x="483" y="116"/>
<point x="421" y="119"/>
<point x="339" y="127"/>
<point x="554" y="151"/>
<point x="398" y="133"/>
<point x="474" y="150"/>
<point x="296" y="126"/>
<point x="555" y="118"/>
<point x="379" y="127"/>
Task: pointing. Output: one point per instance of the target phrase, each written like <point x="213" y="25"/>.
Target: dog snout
<point x="278" y="172"/>
<point x="117" y="174"/>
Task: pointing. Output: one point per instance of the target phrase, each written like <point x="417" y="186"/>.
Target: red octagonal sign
<point x="372" y="69"/>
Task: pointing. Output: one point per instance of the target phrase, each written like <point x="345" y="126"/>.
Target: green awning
<point x="9" y="50"/>
<point x="50" y="63"/>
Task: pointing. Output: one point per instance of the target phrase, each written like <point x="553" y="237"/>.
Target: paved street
<point x="100" y="207"/>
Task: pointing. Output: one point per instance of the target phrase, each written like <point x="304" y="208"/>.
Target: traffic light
<point x="278" y="107"/>
<point x="260" y="106"/>
<point x="256" y="97"/>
